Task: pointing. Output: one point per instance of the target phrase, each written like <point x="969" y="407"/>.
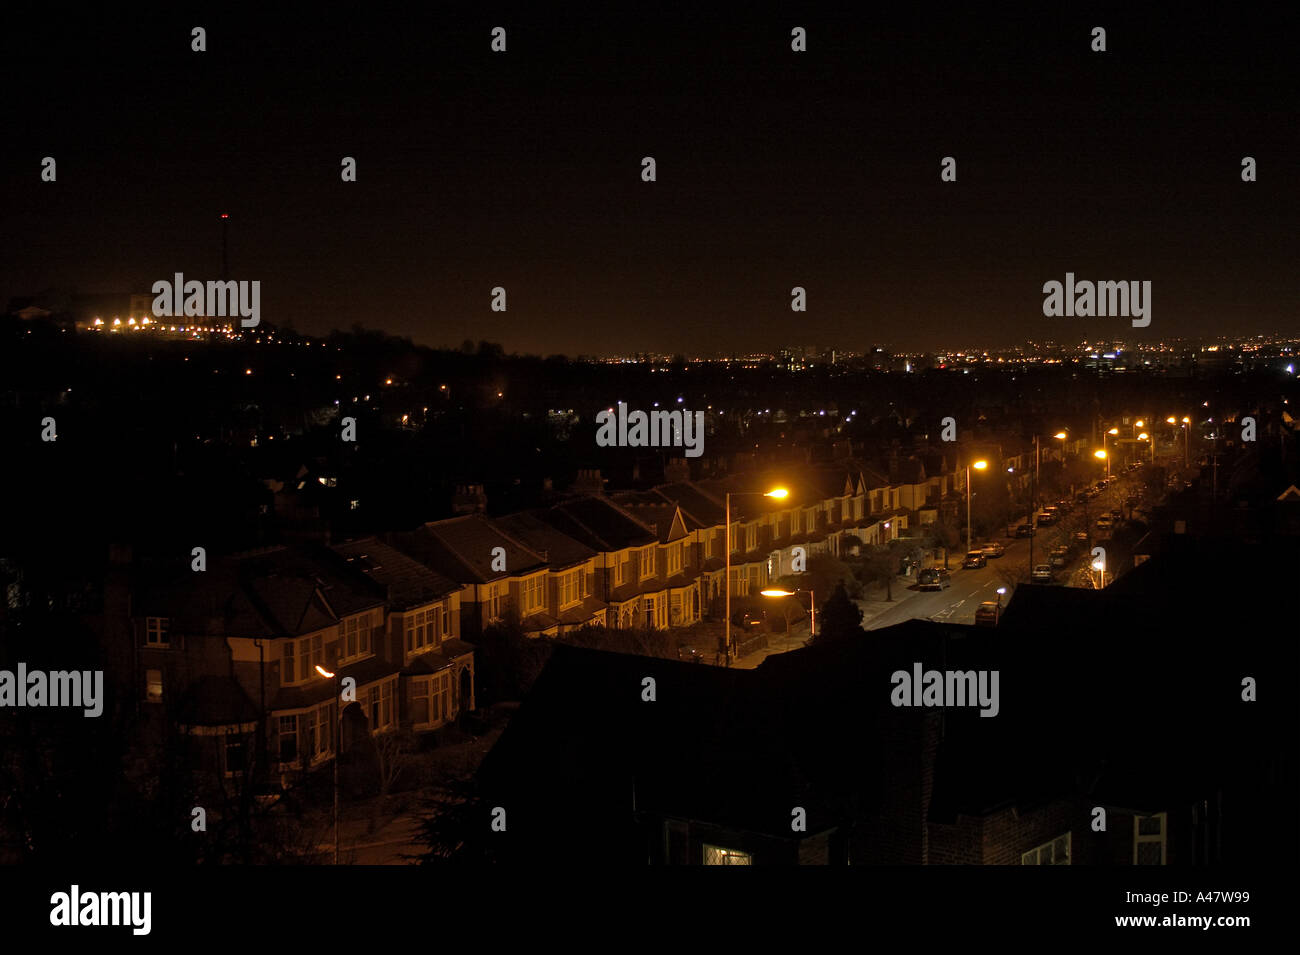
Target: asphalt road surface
<point x="957" y="604"/>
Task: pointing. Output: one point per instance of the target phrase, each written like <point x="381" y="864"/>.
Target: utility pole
<point x="1033" y="507"/>
<point x="726" y="584"/>
<point x="225" y="247"/>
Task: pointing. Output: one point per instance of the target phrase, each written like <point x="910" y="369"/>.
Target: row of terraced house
<point x="233" y="659"/>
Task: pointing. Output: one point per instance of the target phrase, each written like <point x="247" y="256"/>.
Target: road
<point x="970" y="588"/>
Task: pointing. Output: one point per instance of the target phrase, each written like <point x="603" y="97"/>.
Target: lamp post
<point x="1112" y="432"/>
<point x="779" y="493"/>
<point x="812" y="605"/>
<point x="338" y="750"/>
<point x="1099" y="565"/>
<point x="1185" y="422"/>
<point x="1146" y="437"/>
<point x="1033" y="491"/>
<point x="978" y="465"/>
<point x="1061" y="436"/>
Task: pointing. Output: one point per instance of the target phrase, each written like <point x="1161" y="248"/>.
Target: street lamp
<point x="338" y="751"/>
<point x="1146" y="437"/>
<point x="1099" y="565"/>
<point x="978" y="466"/>
<point x="1186" y="421"/>
<point x="1112" y="432"/>
<point x="812" y="606"/>
<point x="779" y="493"/>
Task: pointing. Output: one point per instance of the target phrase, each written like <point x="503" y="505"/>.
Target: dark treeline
<point x="165" y="443"/>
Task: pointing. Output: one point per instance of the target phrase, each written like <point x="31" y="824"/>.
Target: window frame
<point x="1140" y="839"/>
<point x="1037" y="851"/>
<point x="149" y="684"/>
<point x="160" y="626"/>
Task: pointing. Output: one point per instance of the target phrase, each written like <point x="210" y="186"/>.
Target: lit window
<point x="570" y="588"/>
<point x="716" y="855"/>
<point x="153" y="686"/>
<point x="534" y="591"/>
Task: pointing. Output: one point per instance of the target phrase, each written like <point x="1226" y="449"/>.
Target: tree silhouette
<point x="840" y="619"/>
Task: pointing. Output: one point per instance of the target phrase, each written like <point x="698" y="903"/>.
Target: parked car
<point x="1046" y="519"/>
<point x="1103" y="522"/>
<point x="1042" y="574"/>
<point x="993" y="549"/>
<point x="1025" y="530"/>
<point x="987" y="613"/>
<point x="975" y="559"/>
<point x="1116" y="514"/>
<point x="1081" y="537"/>
<point x="1060" y="557"/>
<point x="933" y="578"/>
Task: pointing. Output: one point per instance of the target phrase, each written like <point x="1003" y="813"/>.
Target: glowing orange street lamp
<point x="978" y="466"/>
<point x="812" y="606"/>
<point x="338" y="751"/>
<point x="779" y="493"/>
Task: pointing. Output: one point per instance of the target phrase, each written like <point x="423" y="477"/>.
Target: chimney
<point x="469" y="499"/>
<point x="588" y="481"/>
<point x="677" y="471"/>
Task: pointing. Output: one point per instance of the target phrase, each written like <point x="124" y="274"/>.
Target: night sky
<point x="775" y="169"/>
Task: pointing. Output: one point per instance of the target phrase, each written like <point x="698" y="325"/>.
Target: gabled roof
<point x="599" y="523"/>
<point x="215" y="701"/>
<point x="557" y="547"/>
<point x="697" y="507"/>
<point x="408" y="582"/>
<point x="278" y="591"/>
<point x="461" y="548"/>
<point x="666" y="518"/>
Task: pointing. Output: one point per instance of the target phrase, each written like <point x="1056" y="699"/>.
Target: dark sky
<point x="775" y="169"/>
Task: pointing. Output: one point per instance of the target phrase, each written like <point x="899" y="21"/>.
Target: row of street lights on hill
<point x="780" y="493"/>
<point x="1184" y="423"/>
